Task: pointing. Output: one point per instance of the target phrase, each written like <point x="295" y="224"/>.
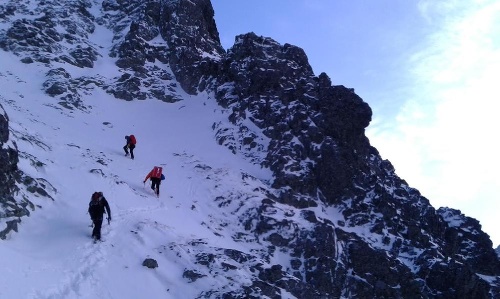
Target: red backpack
<point x="156" y="173"/>
<point x="132" y="139"/>
<point x="96" y="195"/>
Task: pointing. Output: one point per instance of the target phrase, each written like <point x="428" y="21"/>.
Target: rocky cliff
<point x="16" y="187"/>
<point x="8" y="170"/>
<point x="349" y="225"/>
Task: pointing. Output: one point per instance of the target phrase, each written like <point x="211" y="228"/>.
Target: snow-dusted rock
<point x="14" y="184"/>
<point x="150" y="263"/>
<point x="8" y="160"/>
<point x="10" y="210"/>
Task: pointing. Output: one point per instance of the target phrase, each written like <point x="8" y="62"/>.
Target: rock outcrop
<point x="15" y="186"/>
<point x="316" y="130"/>
<point x="10" y="211"/>
<point x="8" y="157"/>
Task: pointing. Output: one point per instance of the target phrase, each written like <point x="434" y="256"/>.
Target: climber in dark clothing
<point x="130" y="145"/>
<point x="98" y="206"/>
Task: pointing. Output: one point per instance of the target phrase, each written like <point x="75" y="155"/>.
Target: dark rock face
<point x="8" y="159"/>
<point x="140" y="52"/>
<point x="465" y="240"/>
<point x="67" y="90"/>
<point x="319" y="154"/>
<point x="150" y="263"/>
<point x="162" y="49"/>
<point x="372" y="249"/>
<point x="38" y="38"/>
<point x="305" y="117"/>
<point x="9" y="208"/>
<point x="14" y="183"/>
<point x="193" y="42"/>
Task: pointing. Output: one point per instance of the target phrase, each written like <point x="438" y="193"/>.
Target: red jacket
<point x="154" y="173"/>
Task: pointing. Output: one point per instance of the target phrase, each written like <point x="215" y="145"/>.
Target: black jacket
<point x="97" y="208"/>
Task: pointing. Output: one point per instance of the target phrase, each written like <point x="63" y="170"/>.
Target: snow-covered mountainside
<point x="272" y="189"/>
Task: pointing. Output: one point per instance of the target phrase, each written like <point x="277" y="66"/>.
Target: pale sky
<point x="429" y="71"/>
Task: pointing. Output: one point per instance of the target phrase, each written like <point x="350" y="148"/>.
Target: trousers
<point x="155" y="185"/>
<point x="131" y="148"/>
<point x="96" y="232"/>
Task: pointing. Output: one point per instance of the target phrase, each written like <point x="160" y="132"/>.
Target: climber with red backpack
<point x="156" y="176"/>
<point x="130" y="145"/>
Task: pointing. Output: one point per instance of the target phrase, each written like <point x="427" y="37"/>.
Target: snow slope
<point x="53" y="255"/>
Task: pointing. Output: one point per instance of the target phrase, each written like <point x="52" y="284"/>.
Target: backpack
<point x="132" y="139"/>
<point x="95" y="196"/>
<point x="95" y="205"/>
<point x="156" y="172"/>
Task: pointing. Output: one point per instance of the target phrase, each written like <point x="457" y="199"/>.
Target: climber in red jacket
<point x="156" y="176"/>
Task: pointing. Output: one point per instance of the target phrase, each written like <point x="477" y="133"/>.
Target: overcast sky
<point x="428" y="69"/>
